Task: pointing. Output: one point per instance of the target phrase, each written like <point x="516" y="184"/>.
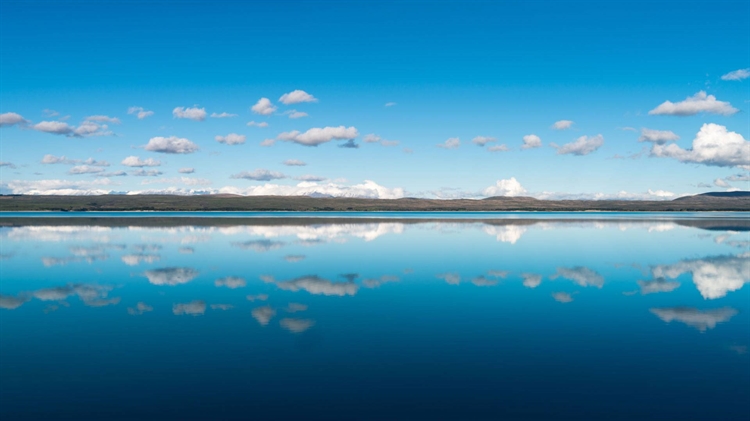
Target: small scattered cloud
<point x="390" y="104"/>
<point x="257" y="124"/>
<point x="194" y="113"/>
<point x="483" y="140"/>
<point x="294" y="114"/>
<point x="296" y="325"/>
<point x="139" y="309"/>
<point x="11" y="119"/>
<point x="721" y="183"/>
<point x="231" y="282"/>
<point x="701" y="102"/>
<point x="134" y="161"/>
<point x="263" y="107"/>
<point x="85" y="169"/>
<point x="171" y="276"/>
<point x="584" y="145"/>
<point x="263" y="314"/>
<point x="498" y="148"/>
<point x="450" y="143"/>
<point x="193" y="308"/>
<point x="296" y="97"/>
<point x="85" y="129"/>
<point x="171" y="145"/>
<point x="317" y="136"/>
<point x="562" y="125"/>
<point x="311" y="178"/>
<point x="693" y="317"/>
<point x="294" y="258"/>
<point x="258" y="297"/>
<point x="507" y="187"/>
<point x="8" y="165"/>
<point x="531" y="141"/>
<point x="582" y="276"/>
<point x="103" y="118"/>
<point x="294" y="163"/>
<point x="231" y="139"/>
<point x="657" y="285"/>
<point x="531" y="280"/>
<point x="186" y="170"/>
<point x="349" y="144"/>
<point x="562" y="297"/>
<point x="259" y="175"/>
<point x="260" y="246"/>
<point x="737" y="75"/>
<point x="223" y="115"/>
<point x="658" y="137"/>
<point x="140" y="112"/>
<point x="714" y="145"/>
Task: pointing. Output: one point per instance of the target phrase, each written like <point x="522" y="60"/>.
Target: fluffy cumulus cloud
<point x="562" y="125"/>
<point x="54" y="127"/>
<point x="171" y="276"/>
<point x="368" y="190"/>
<point x="85" y="129"/>
<point x="231" y="282"/>
<point x="659" y="137"/>
<point x="259" y="175"/>
<point x="140" y="112"/>
<point x="713" y="145"/>
<point x="584" y="145"/>
<point x="134" y="161"/>
<point x="317" y="136"/>
<point x="507" y="187"/>
<point x="483" y="140"/>
<point x="52" y="159"/>
<point x="263" y="314"/>
<point x="737" y="75"/>
<point x="699" y="319"/>
<point x="296" y="97"/>
<point x="11" y="119"/>
<point x="714" y="277"/>
<point x="450" y="143"/>
<point x="531" y="141"/>
<point x="263" y="107"/>
<point x="193" y="113"/>
<point x="562" y="297"/>
<point x="171" y="145"/>
<point x="231" y="139"/>
<point x="696" y="104"/>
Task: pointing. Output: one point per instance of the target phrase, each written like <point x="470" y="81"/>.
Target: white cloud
<point x="318" y="286"/>
<point x="85" y="169"/>
<point x="136" y="259"/>
<point x="294" y="163"/>
<point x="194" y="113"/>
<point x="231" y="139"/>
<point x="739" y="177"/>
<point x="140" y="112"/>
<point x="505" y="233"/>
<point x="390" y="104"/>
<point x="698" y="103"/>
<point x="297" y="96"/>
<point x="260" y="175"/>
<point x="582" y="276"/>
<point x="59" y="187"/>
<point x="661" y="193"/>
<point x="737" y="75"/>
<point x="9" y="302"/>
<point x="450" y="143"/>
<point x="309" y="177"/>
<point x="721" y="183"/>
<point x="531" y="141"/>
<point x="258" y="297"/>
<point x="146" y="173"/>
<point x="713" y="277"/>
<point x="257" y="124"/>
<point x="177" y="180"/>
<point x="713" y="145"/>
<point x="483" y="140"/>
<point x="8" y="164"/>
<point x="562" y="125"/>
<point x="51" y="159"/>
<point x="231" y="282"/>
<point x="296" y="325"/>
<point x="659" y="137"/>
<point x="186" y="170"/>
<point x="507" y="187"/>
<point x="11" y="119"/>
<point x="498" y="148"/>
<point x="657" y="285"/>
<point x="373" y="138"/>
<point x="171" y="276"/>
<point x="294" y="114"/>
<point x="531" y="280"/>
<point x="368" y="189"/>
<point x="562" y="297"/>
<point x="54" y="127"/>
<point x="103" y="118"/>
<point x="193" y="308"/>
<point x="223" y="115"/>
<point x="263" y="107"/>
<point x="317" y="136"/>
<point x="134" y="161"/>
<point x="699" y="319"/>
<point x="263" y="314"/>
<point x="139" y="309"/>
<point x="584" y="145"/>
<point x="171" y="145"/>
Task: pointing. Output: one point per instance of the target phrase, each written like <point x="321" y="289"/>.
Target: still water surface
<point x="586" y="317"/>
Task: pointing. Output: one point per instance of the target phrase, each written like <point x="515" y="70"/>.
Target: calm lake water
<point x="476" y="317"/>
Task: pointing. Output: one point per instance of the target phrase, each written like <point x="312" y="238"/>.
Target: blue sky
<point x="500" y="70"/>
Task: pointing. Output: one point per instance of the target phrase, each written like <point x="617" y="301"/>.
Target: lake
<point x="375" y="316"/>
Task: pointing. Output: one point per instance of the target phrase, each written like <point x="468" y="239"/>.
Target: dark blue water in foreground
<point x="589" y="318"/>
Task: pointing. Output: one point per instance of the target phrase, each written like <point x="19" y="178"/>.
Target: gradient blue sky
<point x="453" y="69"/>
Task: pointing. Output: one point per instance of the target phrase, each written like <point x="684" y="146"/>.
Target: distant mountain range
<point x="714" y="201"/>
